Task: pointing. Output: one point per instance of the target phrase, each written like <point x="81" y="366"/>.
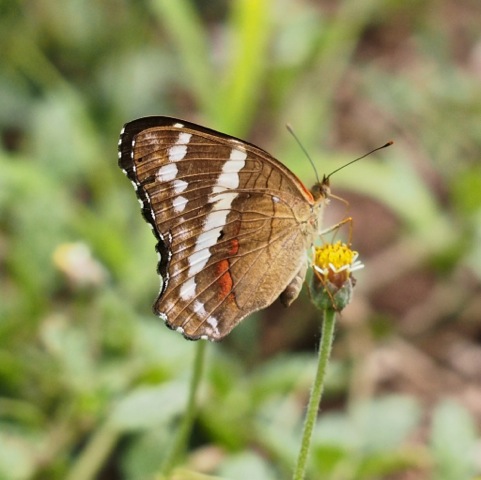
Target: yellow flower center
<point x="337" y="257"/>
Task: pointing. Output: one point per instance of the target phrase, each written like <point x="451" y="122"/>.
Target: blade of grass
<point x="188" y="37"/>
<point x="250" y="28"/>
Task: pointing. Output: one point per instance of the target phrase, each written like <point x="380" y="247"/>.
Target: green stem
<point x="94" y="455"/>
<point x="316" y="392"/>
<point x="185" y="427"/>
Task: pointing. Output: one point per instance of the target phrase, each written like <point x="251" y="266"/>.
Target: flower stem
<point x="185" y="427"/>
<point x="316" y="392"/>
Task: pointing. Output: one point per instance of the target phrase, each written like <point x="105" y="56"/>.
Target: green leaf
<point x="17" y="461"/>
<point x="384" y="423"/>
<point x="453" y="441"/>
<point x="148" y="407"/>
<point x="246" y="465"/>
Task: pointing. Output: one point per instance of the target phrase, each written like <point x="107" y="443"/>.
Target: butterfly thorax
<point x="320" y="192"/>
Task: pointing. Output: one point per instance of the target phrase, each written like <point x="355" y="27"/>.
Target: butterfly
<point x="233" y="224"/>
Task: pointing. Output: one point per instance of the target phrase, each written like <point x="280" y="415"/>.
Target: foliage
<point x="91" y="385"/>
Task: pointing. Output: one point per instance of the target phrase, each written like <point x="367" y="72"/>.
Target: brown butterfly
<point x="233" y="224"/>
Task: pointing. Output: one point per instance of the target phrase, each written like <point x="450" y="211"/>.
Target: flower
<point x="76" y="262"/>
<point x="332" y="282"/>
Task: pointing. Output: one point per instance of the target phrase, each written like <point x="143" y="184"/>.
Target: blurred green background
<point x="92" y="384"/>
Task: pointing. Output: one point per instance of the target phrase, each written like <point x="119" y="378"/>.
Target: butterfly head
<point x="321" y="190"/>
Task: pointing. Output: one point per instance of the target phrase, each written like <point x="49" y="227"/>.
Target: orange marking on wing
<point x="224" y="281"/>
<point x="234" y="246"/>
<point x="307" y="192"/>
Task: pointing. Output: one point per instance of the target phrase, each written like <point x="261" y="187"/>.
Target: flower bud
<point x="332" y="282"/>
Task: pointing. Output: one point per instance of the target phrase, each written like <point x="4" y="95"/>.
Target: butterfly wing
<point x="232" y="223"/>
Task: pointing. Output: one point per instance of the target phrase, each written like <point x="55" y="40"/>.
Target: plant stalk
<point x="325" y="347"/>
<point x="185" y="427"/>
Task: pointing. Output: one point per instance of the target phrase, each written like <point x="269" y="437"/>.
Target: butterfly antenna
<point x="388" y="144"/>
<point x="291" y="131"/>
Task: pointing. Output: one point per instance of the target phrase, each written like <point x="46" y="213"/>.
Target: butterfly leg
<point x="292" y="290"/>
<point x="337" y="226"/>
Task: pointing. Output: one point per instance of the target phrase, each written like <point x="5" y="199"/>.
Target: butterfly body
<point x="232" y="223"/>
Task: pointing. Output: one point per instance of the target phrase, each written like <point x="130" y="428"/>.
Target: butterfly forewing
<point x="232" y="223"/>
